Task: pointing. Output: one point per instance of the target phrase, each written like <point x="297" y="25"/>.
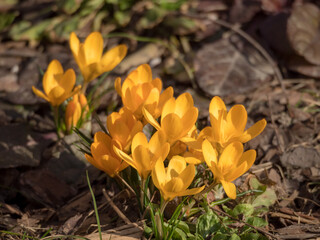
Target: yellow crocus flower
<point x="140" y="90"/>
<point x="227" y="127"/>
<point x="174" y="180"/>
<point x="103" y="156"/>
<point x="76" y="108"/>
<point x="57" y="84"/>
<point x="144" y="154"/>
<point x="122" y="127"/>
<point x="178" y="117"/>
<point x="231" y="164"/>
<point x="90" y="58"/>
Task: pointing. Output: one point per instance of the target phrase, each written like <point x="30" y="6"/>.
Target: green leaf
<point x="6" y="19"/>
<point x="257" y="222"/>
<point x="253" y="236"/>
<point x="179" y="234"/>
<point x="221" y="236"/>
<point x="244" y="208"/>
<point x="208" y="223"/>
<point x="122" y="17"/>
<point x="267" y="198"/>
<point x="70" y="6"/>
<point x="235" y="237"/>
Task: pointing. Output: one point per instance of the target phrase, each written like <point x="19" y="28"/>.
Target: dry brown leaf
<point x="303" y="32"/>
<point x="300" y="65"/>
<point x="222" y="68"/>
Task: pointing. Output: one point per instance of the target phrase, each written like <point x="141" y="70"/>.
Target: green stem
<point x="56" y="119"/>
<point x="84" y="88"/>
<point x="163" y="206"/>
<point x="143" y="183"/>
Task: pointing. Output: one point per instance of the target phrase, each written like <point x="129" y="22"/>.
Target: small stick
<point x="115" y="208"/>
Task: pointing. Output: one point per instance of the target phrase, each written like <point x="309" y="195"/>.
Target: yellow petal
<point x="253" y="131"/>
<point x="68" y="80"/>
<point x="192" y="160"/>
<point x="117" y="86"/>
<point x="159" y="174"/>
<point x="40" y="94"/>
<point x="189" y="119"/>
<point x="74" y="44"/>
<point x="157" y="83"/>
<point x="57" y="96"/>
<point x="72" y="114"/>
<point x="124" y="157"/>
<point x="110" y="165"/>
<point x="54" y="72"/>
<point x="168" y="108"/>
<point x="93" y="162"/>
<point x="190" y="192"/>
<point x="187" y="175"/>
<point x="230" y="189"/>
<point x="164" y="97"/>
<point x="139" y="139"/>
<point x="113" y="57"/>
<point x="93" y="48"/>
<point x="230" y="156"/>
<point x="246" y="161"/>
<point x="209" y="153"/>
<point x="142" y="158"/>
<point x="217" y="109"/>
<point x="176" y="165"/>
<point x="173" y="127"/>
<point x="237" y="118"/>
<point x="183" y="104"/>
<point x="148" y="116"/>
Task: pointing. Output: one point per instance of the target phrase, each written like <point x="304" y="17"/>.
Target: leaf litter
<point x="48" y="193"/>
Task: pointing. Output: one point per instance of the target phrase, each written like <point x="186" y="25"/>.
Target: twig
<point x="298" y="219"/>
<point x="256" y="228"/>
<point x="115" y="208"/>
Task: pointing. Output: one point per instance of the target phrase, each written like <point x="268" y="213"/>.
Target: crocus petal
<point x="74" y="44"/>
<point x="192" y="160"/>
<point x="246" y="161"/>
<point x="230" y="156"/>
<point x="253" y="131"/>
<point x="93" y="48"/>
<point x="159" y="174"/>
<point x="236" y="119"/>
<point x="117" y="86"/>
<point x="142" y="158"/>
<point x="173" y="127"/>
<point x="139" y="139"/>
<point x="110" y="165"/>
<point x="53" y="73"/>
<point x="148" y="116"/>
<point x="216" y="108"/>
<point x="57" y="96"/>
<point x="93" y="162"/>
<point x="68" y="80"/>
<point x="183" y="104"/>
<point x="230" y="189"/>
<point x="209" y="153"/>
<point x="113" y="57"/>
<point x="176" y="165"/>
<point x="189" y="119"/>
<point x="124" y="157"/>
<point x="169" y="107"/>
<point x="164" y="97"/>
<point x="157" y="83"/>
<point x="40" y="94"/>
<point x="187" y="175"/>
<point x="189" y="192"/>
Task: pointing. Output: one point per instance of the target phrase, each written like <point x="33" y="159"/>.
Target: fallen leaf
<point x="221" y="68"/>
<point x="303" y="32"/>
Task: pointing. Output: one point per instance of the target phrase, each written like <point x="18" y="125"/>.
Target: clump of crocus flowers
<point x="174" y="149"/>
<point x="59" y="87"/>
<point x="170" y="152"/>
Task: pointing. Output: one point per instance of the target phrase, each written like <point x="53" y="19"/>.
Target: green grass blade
<point x="95" y="206"/>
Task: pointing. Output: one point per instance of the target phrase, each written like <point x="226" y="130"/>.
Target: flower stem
<point x="143" y="183"/>
<point x="84" y="87"/>
<point x="163" y="206"/>
<point x="56" y="119"/>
